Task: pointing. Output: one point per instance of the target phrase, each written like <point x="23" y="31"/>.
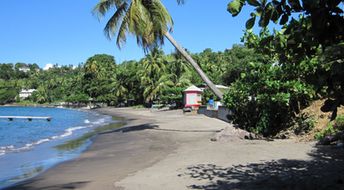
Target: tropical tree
<point x="99" y="78"/>
<point x="310" y="44"/>
<point x="41" y="95"/>
<point x="8" y="91"/>
<point x="150" y="22"/>
<point x="128" y="79"/>
<point x="153" y="76"/>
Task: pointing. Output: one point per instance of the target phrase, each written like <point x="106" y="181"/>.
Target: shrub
<point x="329" y="130"/>
<point x="339" y="122"/>
<point x="332" y="128"/>
<point x="264" y="100"/>
<point x="304" y="123"/>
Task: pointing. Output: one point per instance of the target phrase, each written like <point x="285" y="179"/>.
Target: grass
<point x="76" y="143"/>
<point x="332" y="128"/>
<point x="138" y="106"/>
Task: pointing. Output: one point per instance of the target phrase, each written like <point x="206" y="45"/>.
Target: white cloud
<point x="48" y="66"/>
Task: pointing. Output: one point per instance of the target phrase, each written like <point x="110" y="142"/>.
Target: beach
<point x="171" y="150"/>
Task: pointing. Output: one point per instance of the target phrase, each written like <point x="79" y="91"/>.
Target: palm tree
<point x="155" y="89"/>
<point x="150" y="22"/>
<point x="153" y="76"/>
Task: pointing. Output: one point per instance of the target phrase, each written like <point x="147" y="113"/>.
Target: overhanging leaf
<point x="295" y="4"/>
<point x="234" y="7"/>
<point x="253" y="2"/>
<point x="250" y="23"/>
<point x="284" y="19"/>
<point x="265" y="18"/>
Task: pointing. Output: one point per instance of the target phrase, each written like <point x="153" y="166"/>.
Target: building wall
<point x="26" y="93"/>
<point x="193" y="99"/>
<point x="221" y="113"/>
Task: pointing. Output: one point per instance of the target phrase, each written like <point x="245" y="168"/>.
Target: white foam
<point x="99" y="121"/>
<point x="6" y="147"/>
<point x="67" y="132"/>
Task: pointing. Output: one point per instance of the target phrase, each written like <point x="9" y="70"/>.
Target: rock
<point x="327" y="140"/>
<point x="231" y="133"/>
<point x="340" y="144"/>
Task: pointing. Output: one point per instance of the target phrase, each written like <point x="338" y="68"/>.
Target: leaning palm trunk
<point x="149" y="21"/>
<point x="204" y="77"/>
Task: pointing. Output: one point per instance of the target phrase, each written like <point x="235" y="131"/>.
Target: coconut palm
<point x="156" y="88"/>
<point x="150" y="22"/>
<point x="154" y="78"/>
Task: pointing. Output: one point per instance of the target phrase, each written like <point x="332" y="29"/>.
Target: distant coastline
<point x="47" y="106"/>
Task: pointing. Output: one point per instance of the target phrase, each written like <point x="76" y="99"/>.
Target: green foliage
<point x="150" y="22"/>
<point x="146" y="20"/>
<point x="8" y="91"/>
<point x="237" y="60"/>
<point x="6" y="71"/>
<point x="264" y="100"/>
<point x="332" y="128"/>
<point x="303" y="124"/>
<point x="234" y="7"/>
<point x="310" y="44"/>
<point x="173" y="95"/>
<point x="80" y="97"/>
<point x="7" y="96"/>
<point x="329" y="130"/>
<point x="156" y="78"/>
<point x="339" y="122"/>
<point x="325" y="26"/>
<point x="99" y="78"/>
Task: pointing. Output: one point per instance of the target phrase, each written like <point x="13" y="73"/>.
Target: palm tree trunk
<point x="204" y="77"/>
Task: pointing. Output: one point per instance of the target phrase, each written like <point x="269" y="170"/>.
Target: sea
<point x="28" y="148"/>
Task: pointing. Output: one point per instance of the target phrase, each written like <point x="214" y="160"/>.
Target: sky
<point x="65" y="32"/>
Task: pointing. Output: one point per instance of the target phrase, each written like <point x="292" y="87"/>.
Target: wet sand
<point x="169" y="150"/>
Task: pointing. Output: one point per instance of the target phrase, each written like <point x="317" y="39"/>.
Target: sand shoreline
<point x="142" y="157"/>
<point x="46" y="179"/>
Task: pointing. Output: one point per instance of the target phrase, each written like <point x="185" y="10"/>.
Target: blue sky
<point x="65" y="32"/>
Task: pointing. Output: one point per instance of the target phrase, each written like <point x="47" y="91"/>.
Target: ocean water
<point x="27" y="148"/>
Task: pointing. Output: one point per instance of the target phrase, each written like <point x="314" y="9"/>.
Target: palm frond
<point x="112" y="25"/>
<point x="148" y="20"/>
<point x="104" y="6"/>
<point x="121" y="35"/>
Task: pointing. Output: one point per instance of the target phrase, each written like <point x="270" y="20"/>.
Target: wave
<point x="67" y="132"/>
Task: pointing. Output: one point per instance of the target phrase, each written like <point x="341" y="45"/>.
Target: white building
<point x="24" y="69"/>
<point x="23" y="94"/>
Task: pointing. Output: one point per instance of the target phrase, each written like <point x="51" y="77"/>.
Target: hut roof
<point x="193" y="88"/>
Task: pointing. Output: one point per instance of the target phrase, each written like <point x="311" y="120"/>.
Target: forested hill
<point x="156" y="77"/>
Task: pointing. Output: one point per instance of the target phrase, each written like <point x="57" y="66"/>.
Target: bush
<point x="264" y="100"/>
<point x="332" y="128"/>
<point x="339" y="122"/>
<point x="7" y="95"/>
<point x="303" y="124"/>
<point x="328" y="131"/>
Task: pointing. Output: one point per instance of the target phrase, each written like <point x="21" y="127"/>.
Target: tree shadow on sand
<point x="324" y="171"/>
<point x="132" y="128"/>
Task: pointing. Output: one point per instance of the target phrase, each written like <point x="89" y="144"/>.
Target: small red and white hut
<point x="192" y="97"/>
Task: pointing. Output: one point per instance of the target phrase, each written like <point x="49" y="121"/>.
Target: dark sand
<point x="169" y="150"/>
<point x="111" y="157"/>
